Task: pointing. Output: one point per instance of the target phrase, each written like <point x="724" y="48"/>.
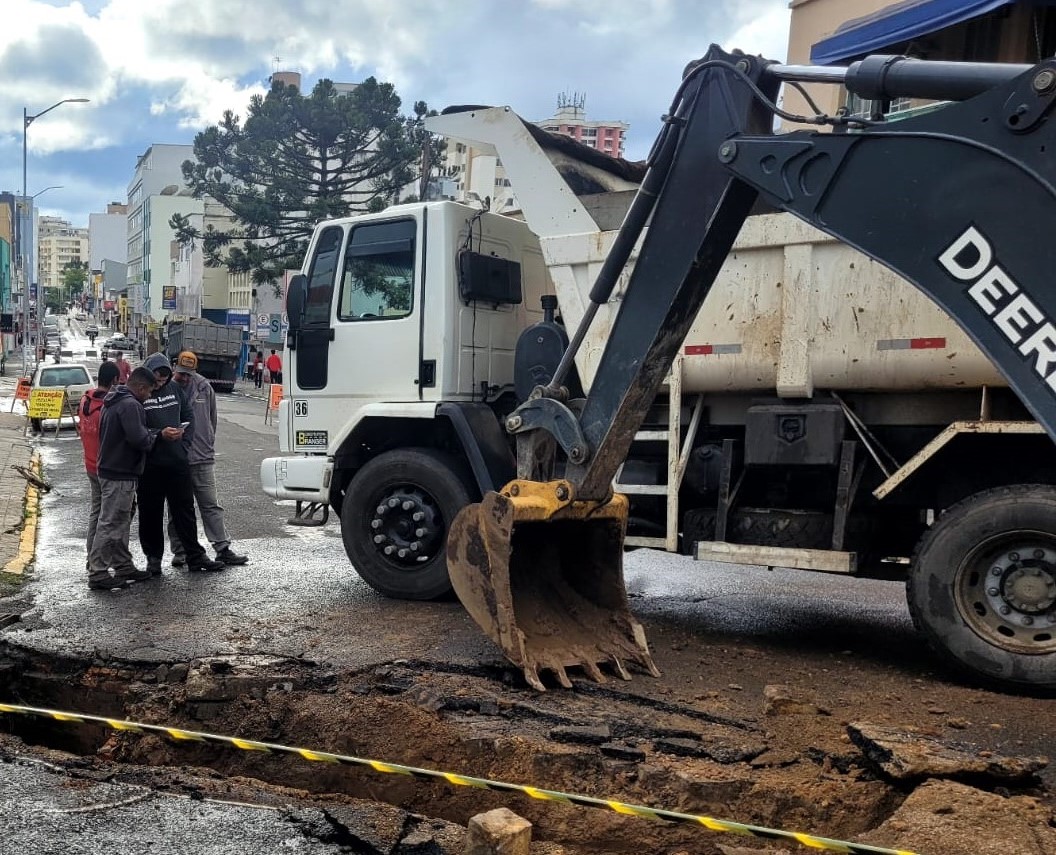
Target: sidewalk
<point x="18" y="499"/>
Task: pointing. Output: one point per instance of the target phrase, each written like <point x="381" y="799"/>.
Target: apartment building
<point x="838" y="32"/>
<point x="571" y="120"/>
<point x="58" y="244"/>
<point x="158" y="171"/>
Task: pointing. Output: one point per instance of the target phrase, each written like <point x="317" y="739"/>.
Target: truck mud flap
<point x="543" y="577"/>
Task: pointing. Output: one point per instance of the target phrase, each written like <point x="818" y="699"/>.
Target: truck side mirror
<point x="296" y="296"/>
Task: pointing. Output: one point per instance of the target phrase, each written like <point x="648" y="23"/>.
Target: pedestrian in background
<point x="202" y="458"/>
<point x="90" y="415"/>
<point x="167" y="474"/>
<point x="124" y="368"/>
<point x="258" y="369"/>
<point x="274" y="366"/>
<point x="124" y="440"/>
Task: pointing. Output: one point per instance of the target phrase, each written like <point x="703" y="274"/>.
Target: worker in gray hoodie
<point x="202" y="456"/>
<point x="167" y="474"/>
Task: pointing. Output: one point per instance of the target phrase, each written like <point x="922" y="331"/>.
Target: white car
<point x="72" y="377"/>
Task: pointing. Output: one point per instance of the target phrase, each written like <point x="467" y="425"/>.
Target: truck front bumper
<point x="304" y="478"/>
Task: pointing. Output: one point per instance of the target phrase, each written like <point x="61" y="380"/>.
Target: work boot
<point x="179" y="560"/>
<point x="134" y="574"/>
<point x="205" y="563"/>
<point x="231" y="558"/>
<point x="154" y="566"/>
<point x="105" y="582"/>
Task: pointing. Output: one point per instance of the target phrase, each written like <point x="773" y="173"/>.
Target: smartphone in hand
<point x="184" y="425"/>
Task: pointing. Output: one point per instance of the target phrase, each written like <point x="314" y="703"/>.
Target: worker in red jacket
<point x="90" y="414"/>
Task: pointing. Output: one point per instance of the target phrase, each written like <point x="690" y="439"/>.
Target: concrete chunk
<point x="498" y="832"/>
<point x="907" y="754"/>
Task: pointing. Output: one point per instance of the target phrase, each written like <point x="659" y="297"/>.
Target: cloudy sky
<point x="160" y="70"/>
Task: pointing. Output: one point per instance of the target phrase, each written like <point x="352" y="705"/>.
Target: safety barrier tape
<point x="719" y="825"/>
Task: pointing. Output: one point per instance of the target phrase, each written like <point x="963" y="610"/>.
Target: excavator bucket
<point x="543" y="577"/>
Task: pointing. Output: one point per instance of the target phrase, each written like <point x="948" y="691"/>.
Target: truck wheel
<point x="982" y="588"/>
<point x="395" y="517"/>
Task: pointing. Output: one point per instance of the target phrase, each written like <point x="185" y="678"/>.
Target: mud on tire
<point x="395" y="517"/>
<point x="982" y="588"/>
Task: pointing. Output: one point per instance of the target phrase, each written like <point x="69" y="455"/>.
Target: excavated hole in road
<point x="479" y="722"/>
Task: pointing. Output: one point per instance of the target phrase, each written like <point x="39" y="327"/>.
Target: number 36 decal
<point x="300" y="409"/>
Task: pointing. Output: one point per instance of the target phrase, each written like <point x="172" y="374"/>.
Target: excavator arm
<point x="955" y="200"/>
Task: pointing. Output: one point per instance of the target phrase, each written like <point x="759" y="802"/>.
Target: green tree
<point x="298" y="159"/>
<point x="74" y="277"/>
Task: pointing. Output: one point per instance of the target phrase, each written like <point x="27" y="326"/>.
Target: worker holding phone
<point x="202" y="457"/>
<point x="166" y="476"/>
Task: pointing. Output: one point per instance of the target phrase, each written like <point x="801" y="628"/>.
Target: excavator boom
<point x="538" y="565"/>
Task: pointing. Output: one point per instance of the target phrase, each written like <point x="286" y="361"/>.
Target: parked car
<point x="117" y="344"/>
<point x="91" y="329"/>
<point x="74" y="378"/>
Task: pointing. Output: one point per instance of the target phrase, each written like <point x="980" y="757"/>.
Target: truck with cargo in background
<point x="217" y="347"/>
<point x="822" y="413"/>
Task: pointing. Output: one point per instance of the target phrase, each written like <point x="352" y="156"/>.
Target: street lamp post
<point x="28" y="120"/>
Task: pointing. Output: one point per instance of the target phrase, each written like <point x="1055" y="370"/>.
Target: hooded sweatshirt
<point x="124" y="438"/>
<point x="167" y="407"/>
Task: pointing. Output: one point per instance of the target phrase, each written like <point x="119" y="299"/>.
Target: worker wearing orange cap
<point x="201" y="456"/>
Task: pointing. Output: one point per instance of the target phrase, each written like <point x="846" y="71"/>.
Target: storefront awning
<point x="898" y="23"/>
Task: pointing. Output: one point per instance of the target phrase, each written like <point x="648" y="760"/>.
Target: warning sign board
<point x="46" y="403"/>
<point x="274" y="399"/>
<point x="22" y="390"/>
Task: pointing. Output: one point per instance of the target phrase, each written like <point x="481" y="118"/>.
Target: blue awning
<point x="898" y="23"/>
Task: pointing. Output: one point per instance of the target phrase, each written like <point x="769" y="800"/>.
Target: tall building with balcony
<point x="58" y="245"/>
<point x="158" y="171"/>
<point x="571" y="120"/>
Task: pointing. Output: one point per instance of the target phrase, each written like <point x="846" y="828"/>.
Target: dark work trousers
<point x="160" y="484"/>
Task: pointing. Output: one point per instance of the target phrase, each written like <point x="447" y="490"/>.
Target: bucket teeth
<point x="544" y="579"/>
<point x="592" y="669"/>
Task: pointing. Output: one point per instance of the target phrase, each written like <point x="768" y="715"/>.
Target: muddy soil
<point x="753" y="751"/>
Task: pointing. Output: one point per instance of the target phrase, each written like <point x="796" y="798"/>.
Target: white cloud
<point x="179" y="64"/>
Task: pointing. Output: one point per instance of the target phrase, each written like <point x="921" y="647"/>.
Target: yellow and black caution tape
<point x="719" y="825"/>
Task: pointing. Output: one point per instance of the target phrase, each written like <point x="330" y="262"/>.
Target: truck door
<point x="377" y="329"/>
<point x="359" y="340"/>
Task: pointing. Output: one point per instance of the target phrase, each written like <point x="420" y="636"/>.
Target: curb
<point x="27" y="544"/>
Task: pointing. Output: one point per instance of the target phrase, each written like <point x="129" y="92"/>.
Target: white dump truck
<point x="821" y="414"/>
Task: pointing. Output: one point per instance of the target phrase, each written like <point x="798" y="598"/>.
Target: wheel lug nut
<point x="379" y="538"/>
<point x="418" y="516"/>
<point x="993" y="592"/>
<point x="407" y="505"/>
<point x="1028" y="621"/>
<point x="375" y="524"/>
<point x="402" y="553"/>
<point x="1004" y="609"/>
<point x="996" y="571"/>
<point x="390" y="549"/>
<point x="1013" y="556"/>
<point x="394" y="502"/>
<point x="381" y="509"/>
<point x="416" y="546"/>
<point x="1039" y="553"/>
<point x="419" y="532"/>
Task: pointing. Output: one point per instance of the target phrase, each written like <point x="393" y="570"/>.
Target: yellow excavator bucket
<point x="543" y="577"/>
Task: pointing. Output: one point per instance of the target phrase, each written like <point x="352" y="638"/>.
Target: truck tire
<point x="982" y="587"/>
<point x="390" y="500"/>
